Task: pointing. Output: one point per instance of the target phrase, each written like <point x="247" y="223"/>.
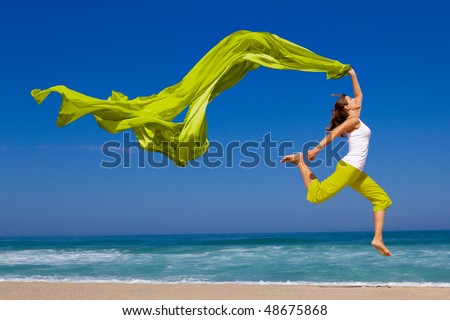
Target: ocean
<point x="420" y="258"/>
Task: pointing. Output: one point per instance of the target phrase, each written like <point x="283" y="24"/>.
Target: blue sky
<point x="51" y="179"/>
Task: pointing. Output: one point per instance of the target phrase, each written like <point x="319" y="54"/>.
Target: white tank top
<point x="358" y="146"/>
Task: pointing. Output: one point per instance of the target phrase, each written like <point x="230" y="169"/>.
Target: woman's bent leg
<point x="343" y="175"/>
<point x="366" y="186"/>
<point x="306" y="173"/>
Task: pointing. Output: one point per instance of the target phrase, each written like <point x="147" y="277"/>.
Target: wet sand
<point x="122" y="291"/>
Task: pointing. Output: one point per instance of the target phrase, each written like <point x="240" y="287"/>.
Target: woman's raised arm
<point x="356" y="88"/>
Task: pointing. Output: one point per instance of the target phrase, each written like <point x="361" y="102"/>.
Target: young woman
<point x="349" y="170"/>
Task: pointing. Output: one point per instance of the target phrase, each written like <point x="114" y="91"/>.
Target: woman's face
<point x="352" y="103"/>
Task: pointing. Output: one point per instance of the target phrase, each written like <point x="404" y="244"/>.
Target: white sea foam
<point x="59" y="257"/>
<point x="191" y="281"/>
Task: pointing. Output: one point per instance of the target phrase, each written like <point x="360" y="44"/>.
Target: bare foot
<point x="295" y="158"/>
<point x="379" y="245"/>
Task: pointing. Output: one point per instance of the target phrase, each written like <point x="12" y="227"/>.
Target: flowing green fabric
<point x="151" y="117"/>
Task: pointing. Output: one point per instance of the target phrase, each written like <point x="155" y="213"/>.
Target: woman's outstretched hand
<point x="352" y="72"/>
<point x="312" y="154"/>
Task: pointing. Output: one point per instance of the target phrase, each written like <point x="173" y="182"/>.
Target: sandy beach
<point x="122" y="291"/>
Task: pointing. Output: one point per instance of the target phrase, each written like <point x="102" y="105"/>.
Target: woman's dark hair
<point x="339" y="113"/>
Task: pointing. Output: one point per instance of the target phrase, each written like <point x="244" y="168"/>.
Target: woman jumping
<point x="349" y="170"/>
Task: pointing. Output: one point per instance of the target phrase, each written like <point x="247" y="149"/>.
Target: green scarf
<point x="151" y="117"/>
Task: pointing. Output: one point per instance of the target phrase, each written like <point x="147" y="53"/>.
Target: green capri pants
<point x="347" y="175"/>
